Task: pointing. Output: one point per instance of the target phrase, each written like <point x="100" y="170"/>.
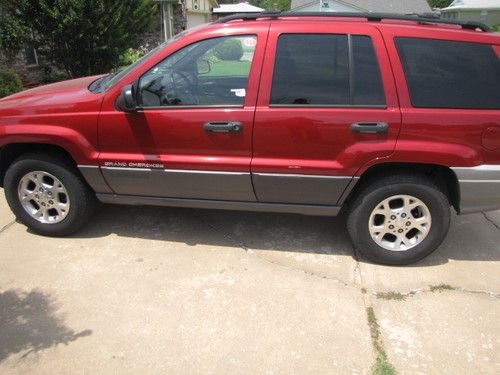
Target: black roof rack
<point x="420" y="18"/>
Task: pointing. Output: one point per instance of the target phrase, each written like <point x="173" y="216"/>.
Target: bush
<point x="83" y="37"/>
<point x="229" y="50"/>
<point x="496" y="28"/>
<point x="51" y="75"/>
<point x="10" y="82"/>
<point x="129" y="57"/>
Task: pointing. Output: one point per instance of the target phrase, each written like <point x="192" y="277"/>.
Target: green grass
<point x="228" y="68"/>
<point x="441" y="287"/>
<point x="391" y="296"/>
<point x="382" y="366"/>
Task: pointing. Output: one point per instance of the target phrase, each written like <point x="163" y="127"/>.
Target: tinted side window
<point x="311" y="69"/>
<point x="315" y="69"/>
<point x="367" y="83"/>
<point x="450" y="74"/>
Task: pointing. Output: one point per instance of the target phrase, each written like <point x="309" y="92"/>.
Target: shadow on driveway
<point x="29" y="322"/>
<point x="470" y="238"/>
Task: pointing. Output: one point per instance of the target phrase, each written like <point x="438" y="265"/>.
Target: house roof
<point x="473" y="4"/>
<point x="382" y="6"/>
<point x="237" y="8"/>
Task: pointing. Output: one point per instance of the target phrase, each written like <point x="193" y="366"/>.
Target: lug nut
<point x="51" y="202"/>
<point x="391" y="226"/>
<point x="400" y="231"/>
<point x="393" y="217"/>
<point x="403" y="215"/>
<point x="408" y="223"/>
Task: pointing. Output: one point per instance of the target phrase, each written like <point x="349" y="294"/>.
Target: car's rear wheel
<point x="48" y="195"/>
<point x="399" y="219"/>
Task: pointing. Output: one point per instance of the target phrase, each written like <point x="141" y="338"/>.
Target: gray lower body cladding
<point x="304" y="209"/>
<point x="479" y="188"/>
<point x="293" y="193"/>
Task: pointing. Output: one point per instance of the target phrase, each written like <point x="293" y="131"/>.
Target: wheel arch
<point x="441" y="175"/>
<point x="10" y="152"/>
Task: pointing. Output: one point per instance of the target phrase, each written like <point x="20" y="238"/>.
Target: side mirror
<point x="203" y="66"/>
<point x="127" y="102"/>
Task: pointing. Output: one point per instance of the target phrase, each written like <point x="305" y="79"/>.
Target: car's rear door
<point x="327" y="105"/>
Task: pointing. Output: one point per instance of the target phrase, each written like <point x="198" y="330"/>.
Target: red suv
<point x="391" y="119"/>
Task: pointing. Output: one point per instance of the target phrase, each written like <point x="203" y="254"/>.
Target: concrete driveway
<point x="146" y="290"/>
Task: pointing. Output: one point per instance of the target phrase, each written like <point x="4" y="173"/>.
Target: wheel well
<point x="11" y="152"/>
<point x="442" y="176"/>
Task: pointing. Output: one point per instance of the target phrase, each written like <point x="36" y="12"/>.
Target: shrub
<point x="497" y="28"/>
<point x="129" y="57"/>
<point x="10" y="82"/>
<point x="229" y="50"/>
<point x="83" y="37"/>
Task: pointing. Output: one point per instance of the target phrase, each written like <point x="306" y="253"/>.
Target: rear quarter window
<point x="450" y="74"/>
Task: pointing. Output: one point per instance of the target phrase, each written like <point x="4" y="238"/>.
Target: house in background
<point x="228" y="9"/>
<point x="485" y="11"/>
<point x="381" y="6"/>
<point x="179" y="15"/>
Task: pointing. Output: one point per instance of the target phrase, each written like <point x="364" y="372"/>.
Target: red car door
<point x="192" y="134"/>
<point x="327" y="106"/>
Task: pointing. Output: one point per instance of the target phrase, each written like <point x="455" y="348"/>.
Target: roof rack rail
<point x="420" y="18"/>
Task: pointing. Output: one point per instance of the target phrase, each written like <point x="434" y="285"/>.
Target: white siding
<point x="333" y="6"/>
<point x="196" y="19"/>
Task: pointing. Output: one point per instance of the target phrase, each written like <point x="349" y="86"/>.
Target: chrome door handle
<point x="369" y="127"/>
<point x="223" y="126"/>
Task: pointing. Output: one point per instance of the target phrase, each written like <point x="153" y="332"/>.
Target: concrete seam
<point x="244" y="247"/>
<point x="491" y="221"/>
<point x="7" y="226"/>
<point x="413" y="292"/>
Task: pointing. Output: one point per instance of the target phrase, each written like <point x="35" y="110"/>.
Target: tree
<point x="13" y="30"/>
<point x="85" y="37"/>
<point x="439" y="3"/>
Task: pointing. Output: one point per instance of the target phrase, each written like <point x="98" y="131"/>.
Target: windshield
<point x="108" y="81"/>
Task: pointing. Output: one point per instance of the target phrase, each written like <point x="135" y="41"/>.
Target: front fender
<point x="74" y="142"/>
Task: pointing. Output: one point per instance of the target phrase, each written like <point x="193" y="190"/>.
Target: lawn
<point x="229" y="68"/>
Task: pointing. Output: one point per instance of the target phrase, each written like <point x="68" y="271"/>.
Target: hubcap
<point x="400" y="222"/>
<point x="43" y="197"/>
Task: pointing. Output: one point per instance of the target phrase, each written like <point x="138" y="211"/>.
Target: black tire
<point x="82" y="198"/>
<point x="373" y="194"/>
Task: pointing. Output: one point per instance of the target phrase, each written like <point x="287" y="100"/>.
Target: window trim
<point x="351" y="76"/>
<point x="200" y="106"/>
<point x="194" y="106"/>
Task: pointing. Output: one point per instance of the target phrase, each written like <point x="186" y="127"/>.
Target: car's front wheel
<point x="399" y="219"/>
<point x="48" y="195"/>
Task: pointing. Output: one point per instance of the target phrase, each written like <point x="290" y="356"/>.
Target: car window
<point x="210" y="72"/>
<point x="367" y="82"/>
<point x="450" y="74"/>
<point x="315" y="69"/>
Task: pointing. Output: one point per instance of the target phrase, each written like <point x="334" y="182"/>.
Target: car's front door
<point x="327" y="106"/>
<point x="192" y="136"/>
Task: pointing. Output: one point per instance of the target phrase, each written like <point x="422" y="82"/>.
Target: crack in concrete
<point x="413" y="292"/>
<point x="382" y="360"/>
<point x="490" y="220"/>
<point x="357" y="273"/>
<point x="7" y="226"/>
<point x="247" y="249"/>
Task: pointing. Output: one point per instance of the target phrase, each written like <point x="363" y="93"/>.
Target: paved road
<point x="175" y="291"/>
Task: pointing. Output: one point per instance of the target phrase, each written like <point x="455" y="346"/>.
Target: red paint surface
<point x="284" y="140"/>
